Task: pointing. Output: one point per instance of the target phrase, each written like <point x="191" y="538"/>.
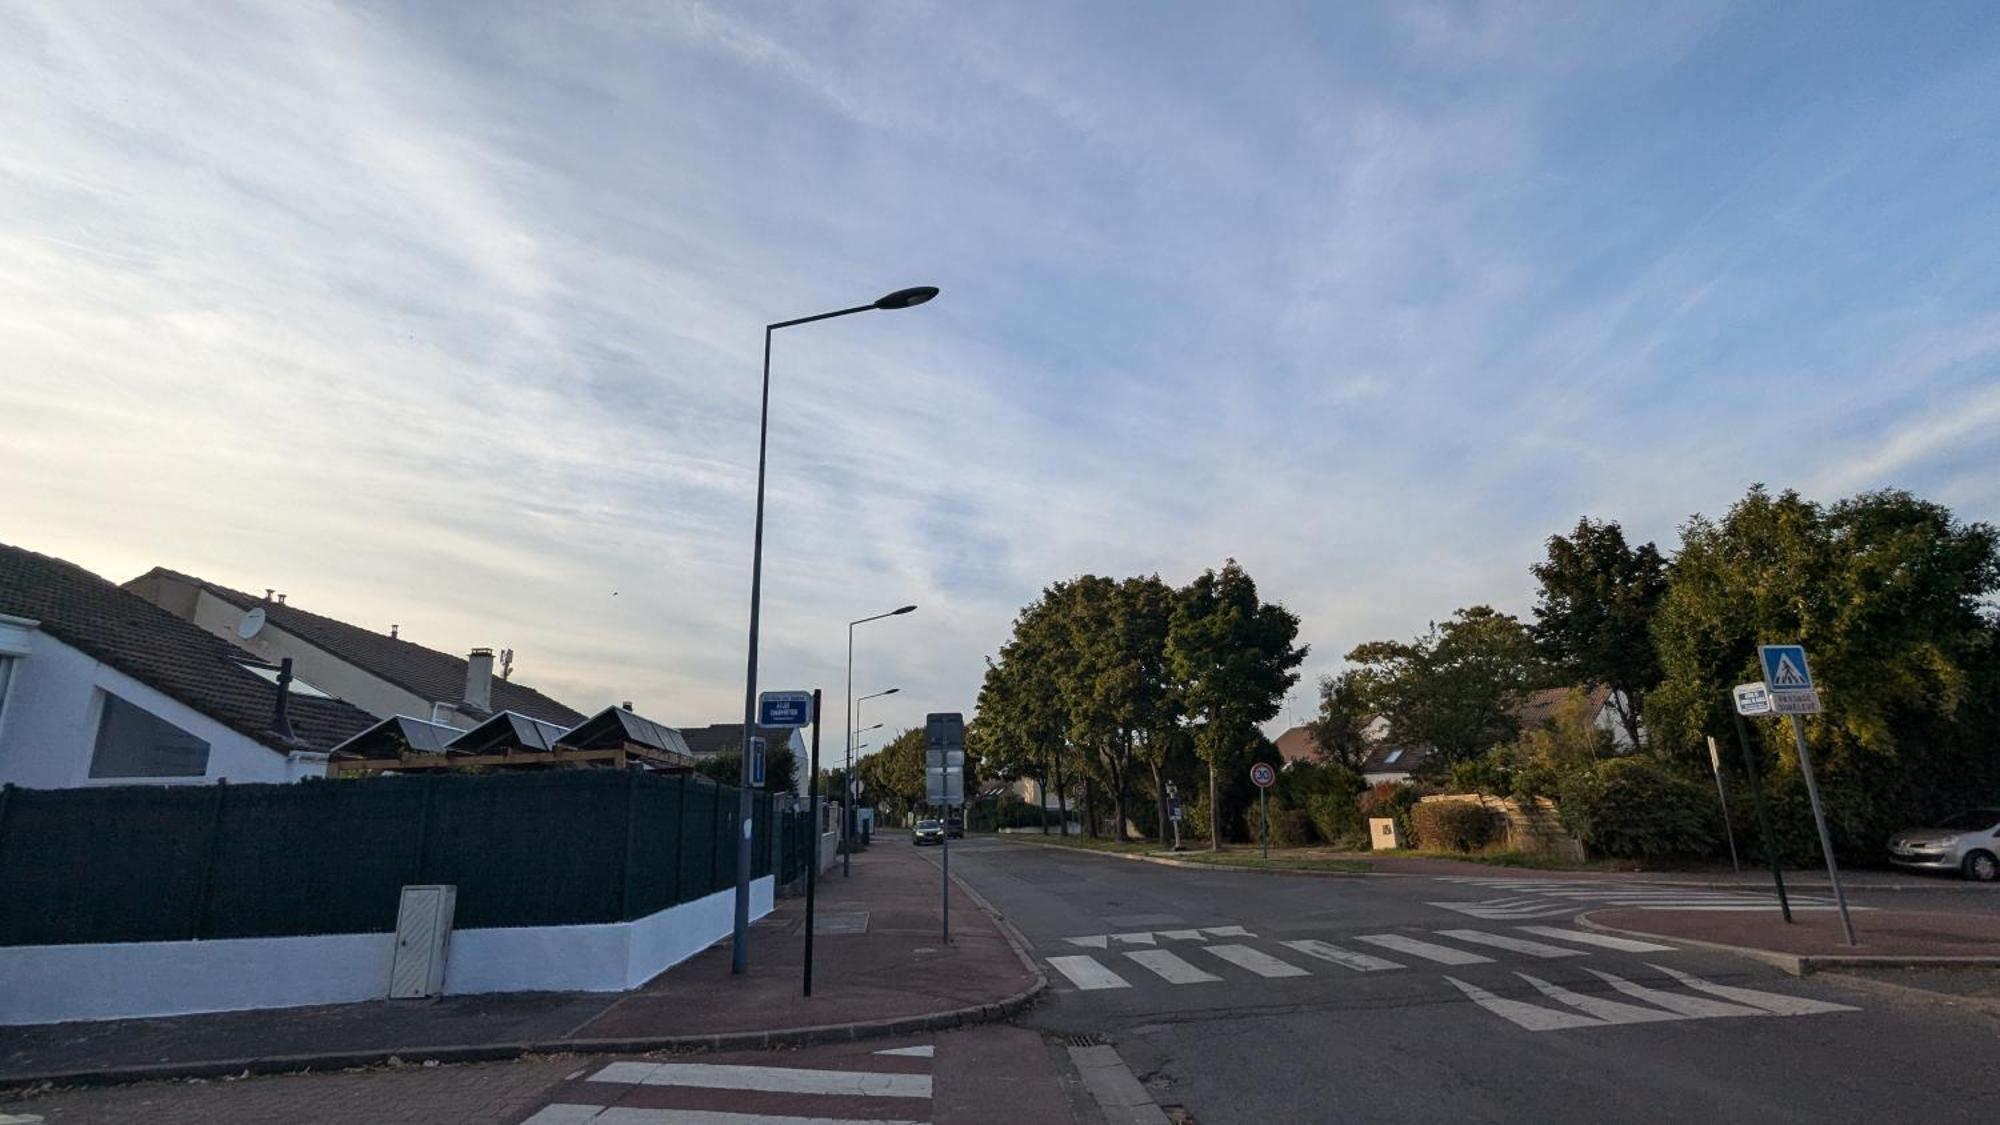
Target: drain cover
<point x="1085" y="1039"/>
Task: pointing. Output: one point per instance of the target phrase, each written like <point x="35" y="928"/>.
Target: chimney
<point x="479" y="679"/>
<point x="281" y="599"/>
<point x="281" y="722"/>
<point x="627" y="705"/>
<point x="268" y="592"/>
<point x="392" y="631"/>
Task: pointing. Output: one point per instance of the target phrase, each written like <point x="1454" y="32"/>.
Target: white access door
<point x="423" y="935"/>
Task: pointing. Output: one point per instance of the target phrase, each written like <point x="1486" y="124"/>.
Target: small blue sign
<point x="785" y="709"/>
<point x="756" y="762"/>
<point x="1785" y="668"/>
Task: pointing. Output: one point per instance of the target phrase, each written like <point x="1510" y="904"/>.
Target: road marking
<point x="1773" y="1002"/>
<point x="1142" y="938"/>
<point x="1516" y="945"/>
<point x="562" y="1114"/>
<point x="1181" y="935"/>
<point x="1610" y="1011"/>
<point x="1263" y="964"/>
<point x="1530" y="1016"/>
<point x="1360" y="962"/>
<point x="1693" y="1006"/>
<point x="1586" y="937"/>
<point x="1505" y="913"/>
<point x="923" y="1052"/>
<point x="1444" y="955"/>
<point x="1170" y="967"/>
<point x="1087" y="974"/>
<point x="1095" y="942"/>
<point x="767" y="1079"/>
<point x="1226" y="931"/>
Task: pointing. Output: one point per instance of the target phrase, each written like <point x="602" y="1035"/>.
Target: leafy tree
<point x="1594" y="618"/>
<point x="1233" y="658"/>
<point x="1023" y="725"/>
<point x="1455" y="688"/>
<point x="781" y="768"/>
<point x="1341" y="731"/>
<point x="894" y="775"/>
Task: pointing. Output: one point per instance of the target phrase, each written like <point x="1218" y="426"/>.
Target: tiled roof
<point x="435" y="676"/>
<point x="1406" y="759"/>
<point x="1298" y="745"/>
<point x="727" y="738"/>
<point x="1541" y="707"/>
<point x="174" y="657"/>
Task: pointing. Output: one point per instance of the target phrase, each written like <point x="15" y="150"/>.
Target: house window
<point x="131" y="742"/>
<point x="1391" y="759"/>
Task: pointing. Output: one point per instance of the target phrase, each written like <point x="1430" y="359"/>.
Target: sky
<point x="449" y="316"/>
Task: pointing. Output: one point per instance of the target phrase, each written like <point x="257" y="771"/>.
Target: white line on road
<point x="1181" y="935"/>
<point x="1610" y="1011"/>
<point x="1773" y="1002"/>
<point x="562" y="1114"/>
<point x="1512" y="944"/>
<point x="1530" y="1016"/>
<point x="1693" y="1006"/>
<point x="923" y="1052"/>
<point x="1444" y="955"/>
<point x="1360" y="962"/>
<point x="1087" y="974"/>
<point x="767" y="1079"/>
<point x="1263" y="964"/>
<point x="1226" y="931"/>
<point x="1097" y="941"/>
<point x="1586" y="937"/>
<point x="1170" y="967"/>
<point x="1143" y="937"/>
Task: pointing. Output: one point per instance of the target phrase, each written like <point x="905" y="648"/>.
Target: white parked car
<point x="1968" y="843"/>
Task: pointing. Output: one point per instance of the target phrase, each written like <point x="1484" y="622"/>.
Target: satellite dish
<point x="251" y="625"/>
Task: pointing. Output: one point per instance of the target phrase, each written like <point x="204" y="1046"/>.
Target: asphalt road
<point x="1243" y="997"/>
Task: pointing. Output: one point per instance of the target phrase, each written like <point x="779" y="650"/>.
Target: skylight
<point x="270" y="675"/>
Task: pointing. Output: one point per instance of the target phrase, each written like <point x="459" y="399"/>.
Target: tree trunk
<point x="1214" y="812"/>
<point x="1090" y="807"/>
<point x="1062" y="797"/>
<point x="1117" y="771"/>
<point x="1160" y="817"/>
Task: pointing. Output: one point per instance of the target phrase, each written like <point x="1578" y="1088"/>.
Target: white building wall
<point x="48" y="723"/>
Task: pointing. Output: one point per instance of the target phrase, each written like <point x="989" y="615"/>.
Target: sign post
<point x="812" y="864"/>
<point x="1755" y="699"/>
<point x="1722" y="795"/>
<point x="944" y="783"/>
<point x="1793" y="695"/>
<point x="1173" y="812"/>
<point x="1264" y="777"/>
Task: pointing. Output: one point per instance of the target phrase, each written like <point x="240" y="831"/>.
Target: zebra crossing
<point x="1199" y="960"/>
<point x="890" y="1086"/>
<point x="1194" y="958"/>
<point x="1547" y="898"/>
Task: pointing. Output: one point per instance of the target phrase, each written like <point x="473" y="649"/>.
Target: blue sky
<point x="449" y="315"/>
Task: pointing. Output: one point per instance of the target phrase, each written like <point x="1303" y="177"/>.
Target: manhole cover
<point x="841" y="922"/>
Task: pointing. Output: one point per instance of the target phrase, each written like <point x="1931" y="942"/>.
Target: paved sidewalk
<point x="891" y="969"/>
<point x="1815" y="938"/>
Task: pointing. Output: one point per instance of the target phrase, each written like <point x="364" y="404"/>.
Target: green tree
<point x="1233" y="658"/>
<point x="1023" y="725"/>
<point x="781" y="768"/>
<point x="1455" y="688"/>
<point x="1595" y="614"/>
<point x="894" y="775"/>
<point x="1340" y="732"/>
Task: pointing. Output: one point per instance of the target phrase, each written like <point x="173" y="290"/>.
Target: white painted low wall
<point x="59" y="983"/>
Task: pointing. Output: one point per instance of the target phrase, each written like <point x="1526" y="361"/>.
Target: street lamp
<point x="853" y="717"/>
<point x="739" y="945"/>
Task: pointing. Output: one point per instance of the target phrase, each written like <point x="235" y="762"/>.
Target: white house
<point x="100" y="687"/>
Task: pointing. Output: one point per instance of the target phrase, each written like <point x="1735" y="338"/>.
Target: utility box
<point x="423" y="936"/>
<point x="1384" y="832"/>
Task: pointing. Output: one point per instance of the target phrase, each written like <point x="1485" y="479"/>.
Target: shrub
<point x="1458" y="826"/>
<point x="1290" y="828"/>
<point x="1338" y="820"/>
<point x="1633" y="808"/>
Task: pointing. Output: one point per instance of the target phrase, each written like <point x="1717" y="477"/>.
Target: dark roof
<point x="436" y="677"/>
<point x="727" y="738"/>
<point x="1407" y="758"/>
<point x="1541" y="707"/>
<point x="390" y="737"/>
<point x="615" y="725"/>
<point x="177" y="658"/>
<point x="506" y="731"/>
<point x="1298" y="745"/>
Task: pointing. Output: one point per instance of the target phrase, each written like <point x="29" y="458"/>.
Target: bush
<point x="1290" y="828"/>
<point x="1458" y="826"/>
<point x="1632" y="808"/>
<point x="1338" y="821"/>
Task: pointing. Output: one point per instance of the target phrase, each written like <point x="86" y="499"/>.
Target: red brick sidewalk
<point x="1817" y="934"/>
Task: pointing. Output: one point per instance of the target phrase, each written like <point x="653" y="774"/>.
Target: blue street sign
<point x="1785" y="668"/>
<point x="756" y="762"/>
<point x="785" y="709"/>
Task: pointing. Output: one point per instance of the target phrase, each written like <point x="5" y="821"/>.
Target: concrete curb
<point x="1197" y="865"/>
<point x="991" y="1012"/>
<point x="1805" y="964"/>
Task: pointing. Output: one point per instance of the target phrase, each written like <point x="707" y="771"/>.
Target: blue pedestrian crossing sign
<point x="1785" y="668"/>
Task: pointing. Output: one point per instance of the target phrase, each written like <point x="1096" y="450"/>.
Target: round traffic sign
<point x="854" y="787"/>
<point x="1263" y="775"/>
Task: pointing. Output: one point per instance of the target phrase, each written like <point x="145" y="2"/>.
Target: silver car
<point x="1967" y="843"/>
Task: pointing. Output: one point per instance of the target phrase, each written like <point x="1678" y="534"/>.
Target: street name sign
<point x="1263" y="775"/>
<point x="785" y="709"/>
<point x="944" y="758"/>
<point x="1785" y="668"/>
<point x="1753" y="699"/>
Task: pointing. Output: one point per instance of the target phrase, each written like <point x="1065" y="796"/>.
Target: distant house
<point x="1541" y="708"/>
<point x="101" y="686"/>
<point x="380" y="673"/>
<point x="1297" y="745"/>
<point x="1385" y="761"/>
<point x="727" y="738"/>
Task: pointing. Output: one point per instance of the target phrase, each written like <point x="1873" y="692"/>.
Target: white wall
<point x="55" y="983"/>
<point x="48" y="723"/>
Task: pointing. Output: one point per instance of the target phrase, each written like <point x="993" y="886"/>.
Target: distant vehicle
<point x="1968" y="843"/>
<point x="927" y="832"/>
<point x="955" y="826"/>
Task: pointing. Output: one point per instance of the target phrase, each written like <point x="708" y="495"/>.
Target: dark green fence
<point x="162" y="863"/>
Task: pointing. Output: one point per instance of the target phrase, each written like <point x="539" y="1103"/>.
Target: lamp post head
<point x="907" y="298"/>
<point x="902" y="611"/>
<point x="892" y="691"/>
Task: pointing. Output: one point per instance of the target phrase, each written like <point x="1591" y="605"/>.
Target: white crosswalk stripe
<point x="1442" y="954"/>
<point x="1360" y="962"/>
<point x="1675" y="1002"/>
<point x="1087" y="974"/>
<point x="1512" y="944"/>
<point x="1170" y="967"/>
<point x="1533" y="1017"/>
<point x="1588" y="937"/>
<point x="566" y="1114"/>
<point x="1583" y="1010"/>
<point x="1610" y="1011"/>
<point x="815" y="1092"/>
<point x="1544" y="898"/>
<point x="767" y="1079"/>
<point x="1775" y="1003"/>
<point x="1263" y="964"/>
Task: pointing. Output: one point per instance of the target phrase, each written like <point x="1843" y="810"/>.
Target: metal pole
<point x="1728" y="830"/>
<point x="1819" y="821"/>
<point x="847" y="798"/>
<point x="1763" y="820"/>
<point x="739" y="942"/>
<point x="812" y="863"/>
<point x="947" y="874"/>
<point x="1264" y="815"/>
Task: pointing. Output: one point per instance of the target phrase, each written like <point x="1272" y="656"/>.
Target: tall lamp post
<point x="739" y="945"/>
<point x="846" y="830"/>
